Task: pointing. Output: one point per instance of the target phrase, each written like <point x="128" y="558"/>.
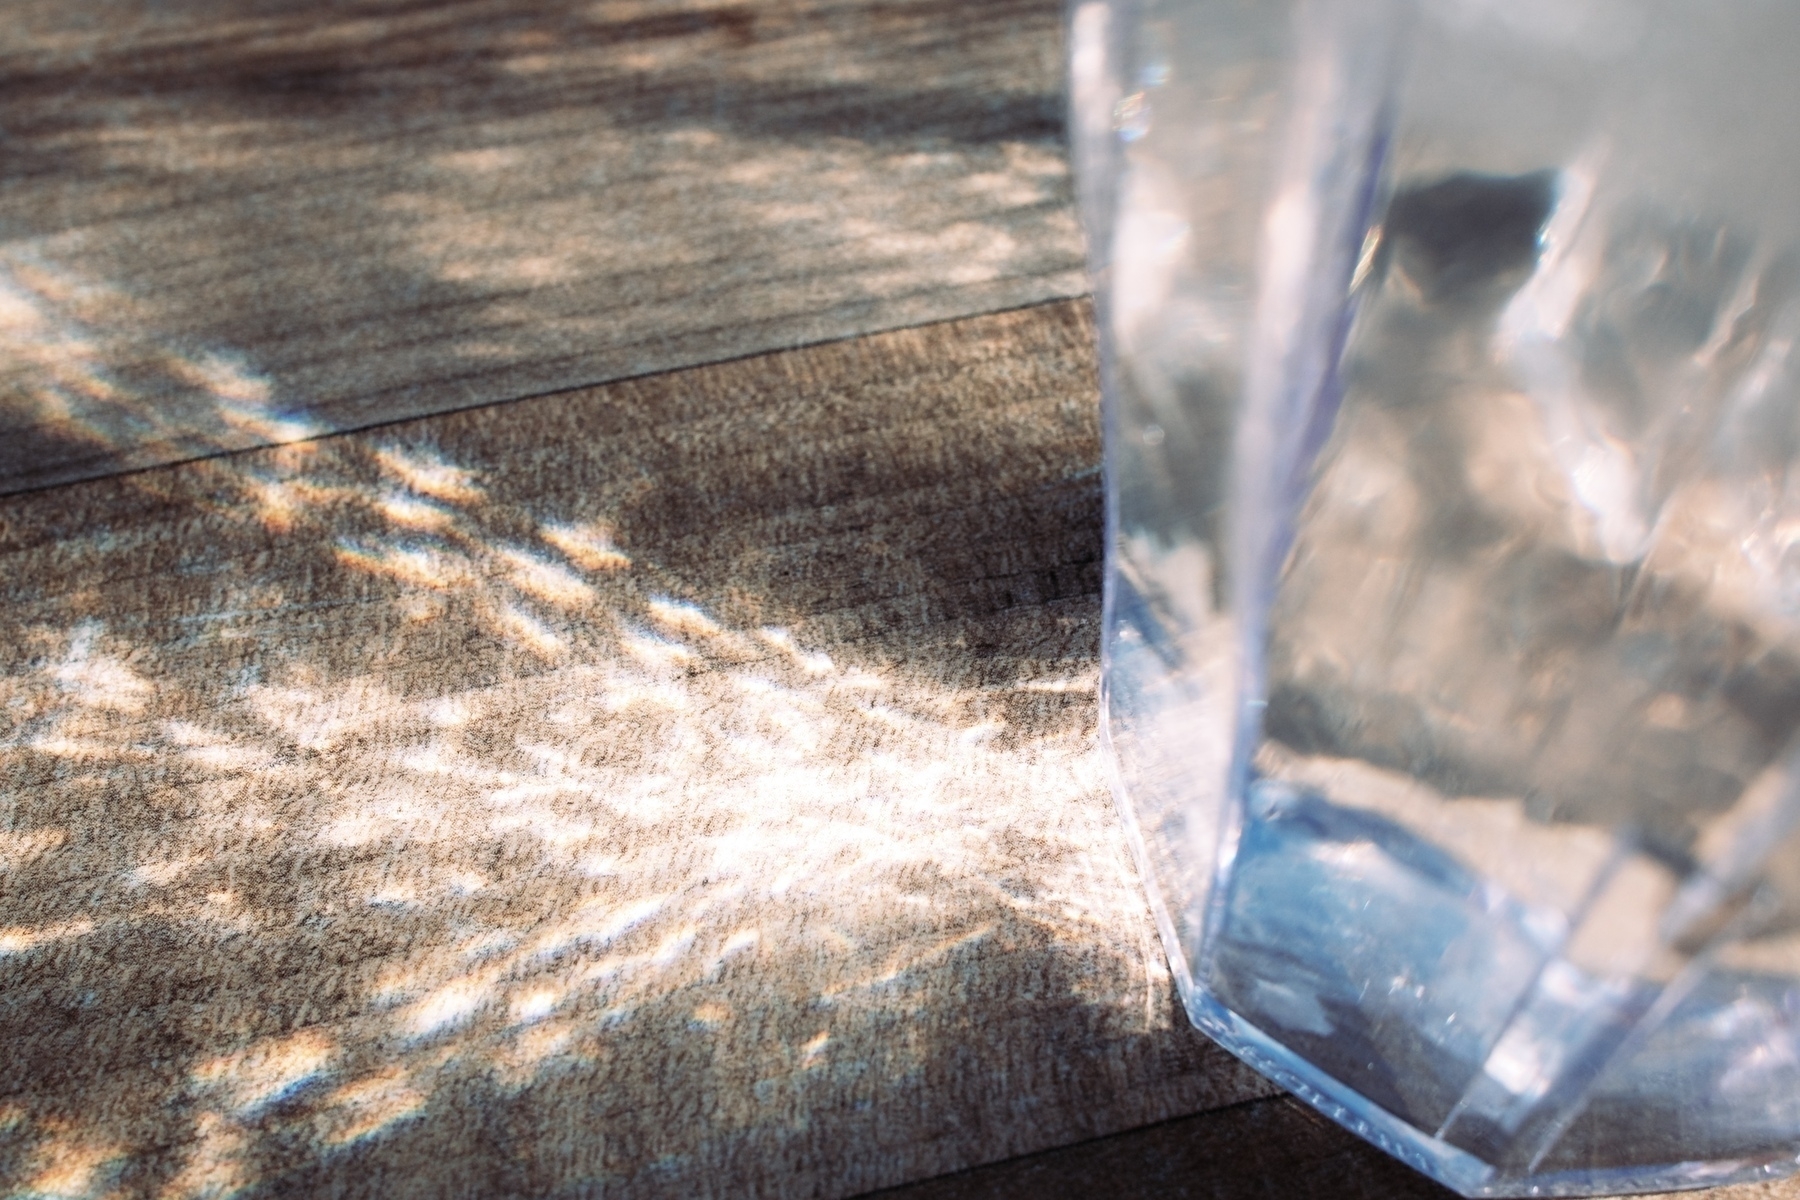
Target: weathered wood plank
<point x="225" y="224"/>
<point x="1273" y="1149"/>
<point x="683" y="787"/>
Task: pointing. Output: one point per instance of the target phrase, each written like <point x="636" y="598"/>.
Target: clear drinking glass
<point x="1452" y="635"/>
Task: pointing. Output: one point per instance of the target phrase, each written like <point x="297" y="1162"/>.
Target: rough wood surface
<point x="1271" y="1149"/>
<point x="684" y="787"/>
<point x="225" y="223"/>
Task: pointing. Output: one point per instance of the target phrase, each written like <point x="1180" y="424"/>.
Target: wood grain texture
<point x="227" y="223"/>
<point x="684" y="787"/>
<point x="1272" y="1149"/>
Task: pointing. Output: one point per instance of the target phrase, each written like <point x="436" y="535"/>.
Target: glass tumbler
<point x="1451" y="686"/>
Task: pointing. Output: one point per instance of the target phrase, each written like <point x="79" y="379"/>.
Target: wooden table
<point x="552" y="563"/>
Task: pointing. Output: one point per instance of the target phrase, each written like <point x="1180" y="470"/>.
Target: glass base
<point x="1454" y="1168"/>
<point x="1411" y="998"/>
